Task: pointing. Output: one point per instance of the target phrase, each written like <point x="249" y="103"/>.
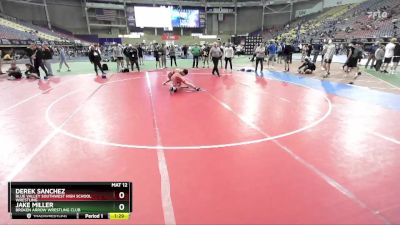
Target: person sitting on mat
<point x="14" y="72"/>
<point x="30" y="72"/>
<point x="177" y="78"/>
<point x="309" y="66"/>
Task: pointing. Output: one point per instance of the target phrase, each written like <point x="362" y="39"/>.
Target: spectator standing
<point x="63" y="59"/>
<point x="215" y="55"/>
<point x="309" y="50"/>
<point x="291" y="54"/>
<point x="337" y="49"/>
<point x="279" y="52"/>
<point x="324" y="46"/>
<point x="29" y="53"/>
<point x="196" y="54"/>
<point x="47" y="57"/>
<point x="172" y="54"/>
<point x="156" y="53"/>
<point x="260" y="55"/>
<point x="371" y="54"/>
<point x="271" y="49"/>
<point x="37" y="58"/>
<point x="126" y="55"/>
<point x="352" y="58"/>
<point x="1" y="62"/>
<point x="330" y="50"/>
<point x="287" y="54"/>
<point x="95" y="59"/>
<point x="118" y="55"/>
<point x="379" y="56"/>
<point x="389" y="53"/>
<point x="396" y="57"/>
<point x="222" y="47"/>
<point x="228" y="53"/>
<point x="355" y="56"/>
<point x="163" y="53"/>
<point x="133" y="54"/>
<point x="254" y="53"/>
<point x="140" y="54"/>
<point x="303" y="49"/>
<point x="185" y="51"/>
<point x="317" y="50"/>
<point x="205" y="52"/>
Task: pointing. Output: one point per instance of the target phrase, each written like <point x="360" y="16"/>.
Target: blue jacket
<point x="271" y="49"/>
<point x="372" y="49"/>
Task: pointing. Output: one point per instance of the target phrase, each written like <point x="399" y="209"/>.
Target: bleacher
<point x="317" y="25"/>
<point x="307" y="29"/>
<point x="347" y="21"/>
<point x="10" y="28"/>
<point x="11" y="33"/>
<point x="360" y="23"/>
<point x="20" y="27"/>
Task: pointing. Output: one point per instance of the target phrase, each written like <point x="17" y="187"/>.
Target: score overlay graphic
<point x="70" y="200"/>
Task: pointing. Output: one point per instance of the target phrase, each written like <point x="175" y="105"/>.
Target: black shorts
<point x="328" y="61"/>
<point x="387" y="60"/>
<point x="396" y="59"/>
<point x="157" y="59"/>
<point x="17" y="75"/>
<point x="312" y="68"/>
<point x="120" y="58"/>
<point x="352" y="62"/>
<point x="286" y="58"/>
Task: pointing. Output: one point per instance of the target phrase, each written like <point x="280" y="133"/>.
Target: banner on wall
<point x="304" y="12"/>
<point x="340" y="40"/>
<point x="169" y="43"/>
<point x="173" y="37"/>
<point x="220" y="10"/>
<point x="130" y="14"/>
<point x="333" y="3"/>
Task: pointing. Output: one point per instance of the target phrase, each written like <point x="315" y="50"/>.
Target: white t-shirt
<point x="260" y="52"/>
<point x="389" y="50"/>
<point x="330" y="51"/>
<point x="228" y="52"/>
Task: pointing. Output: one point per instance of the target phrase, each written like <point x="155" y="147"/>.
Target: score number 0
<point x="121" y="195"/>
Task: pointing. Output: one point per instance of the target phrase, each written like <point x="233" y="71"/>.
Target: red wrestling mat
<point x="244" y="150"/>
